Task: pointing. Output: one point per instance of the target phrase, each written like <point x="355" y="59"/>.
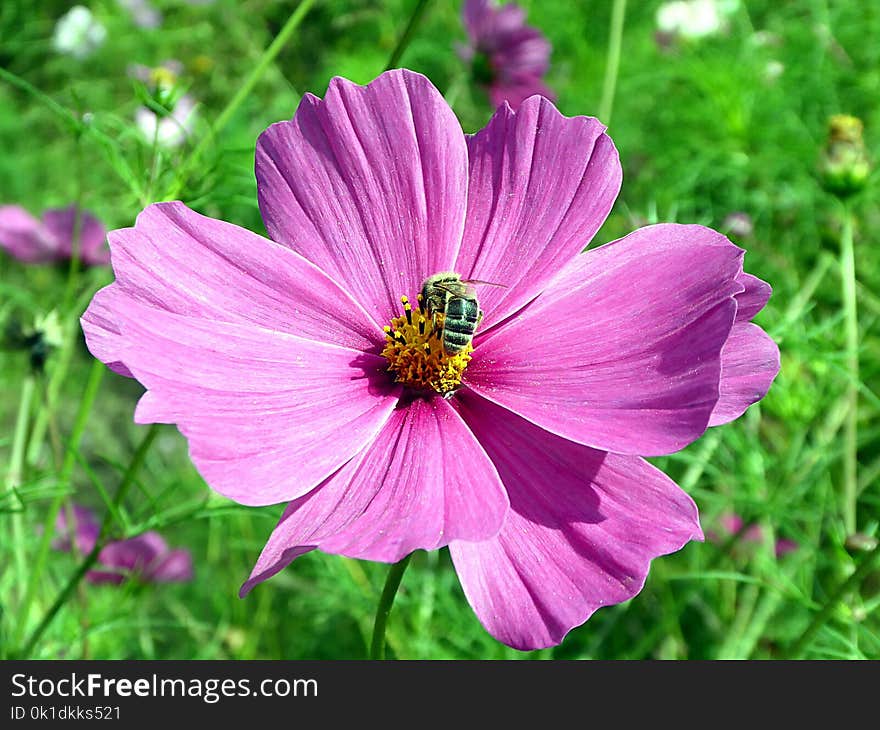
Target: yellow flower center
<point x="163" y="78"/>
<point x="415" y="353"/>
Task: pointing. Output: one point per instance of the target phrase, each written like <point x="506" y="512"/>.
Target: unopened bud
<point x="860" y="542"/>
<point x="844" y="166"/>
<point x="38" y="340"/>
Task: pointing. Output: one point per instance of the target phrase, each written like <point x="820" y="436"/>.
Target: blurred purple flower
<point x="508" y="58"/>
<point x="84" y="533"/>
<point x="33" y="241"/>
<point x="145" y="557"/>
<point x="785" y="546"/>
<point x="143" y="13"/>
<point x="731" y="524"/>
<point x="520" y="452"/>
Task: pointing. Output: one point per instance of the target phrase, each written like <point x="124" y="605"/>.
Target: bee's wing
<point x="480" y="281"/>
<point x="456" y="288"/>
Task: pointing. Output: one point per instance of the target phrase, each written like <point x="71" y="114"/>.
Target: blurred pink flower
<point x="738" y="224"/>
<point x="33" y="241"/>
<point x="731" y="524"/>
<point x="522" y="453"/>
<point x="145" y="557"/>
<point x="507" y="57"/>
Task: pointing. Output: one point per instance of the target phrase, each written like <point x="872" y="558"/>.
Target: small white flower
<point x="694" y="18"/>
<point x="773" y="70"/>
<point x="173" y="129"/>
<point x="739" y="224"/>
<point x="77" y="33"/>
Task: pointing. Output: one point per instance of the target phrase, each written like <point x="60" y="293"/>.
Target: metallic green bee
<point x="448" y="294"/>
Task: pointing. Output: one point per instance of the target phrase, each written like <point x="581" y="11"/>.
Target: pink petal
<point x="24" y="237"/>
<point x="268" y="415"/>
<point x="84" y="530"/>
<point x="731" y="523"/>
<point x="183" y="262"/>
<point x="369" y="184"/>
<point x="133" y="554"/>
<point x="522" y="53"/>
<point x="749" y="363"/>
<point x="423" y="482"/>
<point x="582" y="530"/>
<point x="100" y="330"/>
<point x="541" y="185"/>
<point x="753" y="299"/>
<point x="101" y="577"/>
<point x="484" y="19"/>
<point x="175" y="566"/>
<point x="784" y="547"/>
<point x="62" y="224"/>
<point x="622" y="352"/>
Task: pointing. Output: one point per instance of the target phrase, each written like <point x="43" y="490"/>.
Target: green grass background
<point x="702" y="132"/>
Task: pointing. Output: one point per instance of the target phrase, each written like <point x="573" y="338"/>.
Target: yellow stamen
<point x="415" y="353"/>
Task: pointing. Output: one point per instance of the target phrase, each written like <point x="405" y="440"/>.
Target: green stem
<point x="15" y="472"/>
<point x="154" y="165"/>
<point x="79" y="426"/>
<point x="408" y="34"/>
<point x="708" y="446"/>
<point x="392" y="583"/>
<point x="75" y="244"/>
<point x="62" y="598"/>
<point x="850" y="585"/>
<point x="64" y="115"/>
<point x="89" y="560"/>
<point x="244" y="91"/>
<point x="56" y="381"/>
<point x="612" y="61"/>
<point x="459" y="83"/>
<point x="851" y="328"/>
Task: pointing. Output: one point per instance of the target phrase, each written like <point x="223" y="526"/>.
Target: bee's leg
<point x="435" y="329"/>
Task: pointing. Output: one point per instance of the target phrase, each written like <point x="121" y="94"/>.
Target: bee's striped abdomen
<point x="462" y="316"/>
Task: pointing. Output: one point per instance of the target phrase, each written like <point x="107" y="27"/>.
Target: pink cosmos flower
<point x="146" y="557"/>
<point x="33" y="241"/>
<point x="295" y="374"/>
<point x="507" y="57"/>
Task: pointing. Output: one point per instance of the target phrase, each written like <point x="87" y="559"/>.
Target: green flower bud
<point x="38" y="340"/>
<point x="844" y="166"/>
